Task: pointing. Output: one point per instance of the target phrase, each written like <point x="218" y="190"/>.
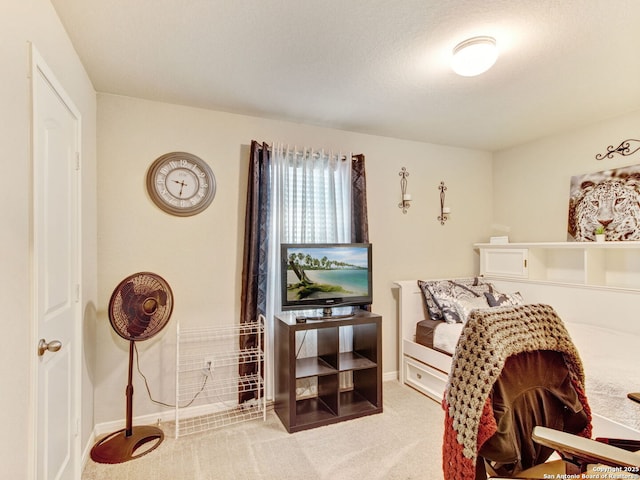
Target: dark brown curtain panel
<point x="254" y="280"/>
<point x="359" y="220"/>
<point x="359" y="215"/>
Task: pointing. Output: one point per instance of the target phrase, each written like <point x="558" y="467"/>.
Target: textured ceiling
<point x="371" y="66"/>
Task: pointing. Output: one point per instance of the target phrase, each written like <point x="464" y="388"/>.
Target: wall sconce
<point x="444" y="211"/>
<point x="406" y="197"/>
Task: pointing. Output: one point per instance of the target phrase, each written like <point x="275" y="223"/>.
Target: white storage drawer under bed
<point x="425" y="379"/>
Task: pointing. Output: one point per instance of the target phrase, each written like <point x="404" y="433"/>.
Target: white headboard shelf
<point x="596" y="283"/>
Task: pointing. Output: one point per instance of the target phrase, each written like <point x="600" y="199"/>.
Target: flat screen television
<point x="325" y="275"/>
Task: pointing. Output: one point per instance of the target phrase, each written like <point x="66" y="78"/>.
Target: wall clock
<point x="181" y="183"/>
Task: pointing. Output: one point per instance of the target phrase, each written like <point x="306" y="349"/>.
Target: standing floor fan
<point x="139" y="308"/>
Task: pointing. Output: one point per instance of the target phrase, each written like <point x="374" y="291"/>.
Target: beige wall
<point x="201" y="256"/>
<point x="23" y="21"/>
<point x="531" y="182"/>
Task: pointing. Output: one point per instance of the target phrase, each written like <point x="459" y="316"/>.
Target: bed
<point x="426" y="345"/>
<point x="425" y="362"/>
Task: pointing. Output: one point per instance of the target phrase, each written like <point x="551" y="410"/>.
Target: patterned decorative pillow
<point x="465" y="307"/>
<point x="504" y="299"/>
<point x="441" y="285"/>
<point x="440" y="296"/>
<point x="434" y="310"/>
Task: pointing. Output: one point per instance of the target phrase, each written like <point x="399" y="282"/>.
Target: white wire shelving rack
<point x="208" y="383"/>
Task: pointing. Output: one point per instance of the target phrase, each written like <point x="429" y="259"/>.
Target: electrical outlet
<point x="207" y="365"/>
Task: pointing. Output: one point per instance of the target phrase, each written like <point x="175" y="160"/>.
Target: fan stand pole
<point x="121" y="446"/>
<point x="129" y="393"/>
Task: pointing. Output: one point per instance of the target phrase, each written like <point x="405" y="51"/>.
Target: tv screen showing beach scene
<point x="326" y="274"/>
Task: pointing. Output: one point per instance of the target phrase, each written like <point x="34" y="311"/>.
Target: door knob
<point x="52" y="346"/>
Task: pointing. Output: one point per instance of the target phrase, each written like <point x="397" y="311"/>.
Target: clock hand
<point x="182" y="185"/>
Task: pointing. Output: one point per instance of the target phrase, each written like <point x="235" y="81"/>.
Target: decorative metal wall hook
<point x="406" y="197"/>
<point x="444" y="211"/>
<point x="623" y="149"/>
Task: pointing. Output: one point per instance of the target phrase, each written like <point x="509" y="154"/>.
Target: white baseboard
<point x="389" y="376"/>
<point x="153" y="418"/>
<point x="86" y="451"/>
<point x="168" y="415"/>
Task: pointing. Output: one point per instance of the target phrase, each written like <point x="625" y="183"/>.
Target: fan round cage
<point x="140" y="306"/>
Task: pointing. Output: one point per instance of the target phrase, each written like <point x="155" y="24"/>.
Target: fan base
<point x="117" y="447"/>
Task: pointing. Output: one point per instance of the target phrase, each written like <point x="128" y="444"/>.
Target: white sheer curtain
<point x="310" y="203"/>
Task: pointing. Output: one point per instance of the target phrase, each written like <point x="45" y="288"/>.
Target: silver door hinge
<point x="77" y="160"/>
<point x="77" y="292"/>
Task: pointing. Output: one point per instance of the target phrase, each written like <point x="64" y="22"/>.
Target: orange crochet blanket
<point x="487" y="340"/>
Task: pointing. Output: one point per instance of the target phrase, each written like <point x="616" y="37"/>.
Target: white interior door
<point x="56" y="133"/>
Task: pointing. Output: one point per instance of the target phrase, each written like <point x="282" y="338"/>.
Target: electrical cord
<point x="301" y="343"/>
<point x="158" y="402"/>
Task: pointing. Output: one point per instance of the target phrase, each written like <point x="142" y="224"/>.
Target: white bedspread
<point x="611" y="367"/>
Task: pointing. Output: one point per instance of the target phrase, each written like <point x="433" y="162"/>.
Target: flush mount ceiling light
<point x="474" y="56"/>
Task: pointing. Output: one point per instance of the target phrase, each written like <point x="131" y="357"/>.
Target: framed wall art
<point x="607" y="199"/>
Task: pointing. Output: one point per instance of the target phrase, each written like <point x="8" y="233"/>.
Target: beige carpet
<point x="404" y="442"/>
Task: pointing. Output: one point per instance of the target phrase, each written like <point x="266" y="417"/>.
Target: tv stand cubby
<point x="332" y="403"/>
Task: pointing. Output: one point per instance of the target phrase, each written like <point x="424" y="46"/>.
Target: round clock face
<point x="181" y="183"/>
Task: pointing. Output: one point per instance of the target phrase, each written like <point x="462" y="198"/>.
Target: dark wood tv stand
<point x="332" y="404"/>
